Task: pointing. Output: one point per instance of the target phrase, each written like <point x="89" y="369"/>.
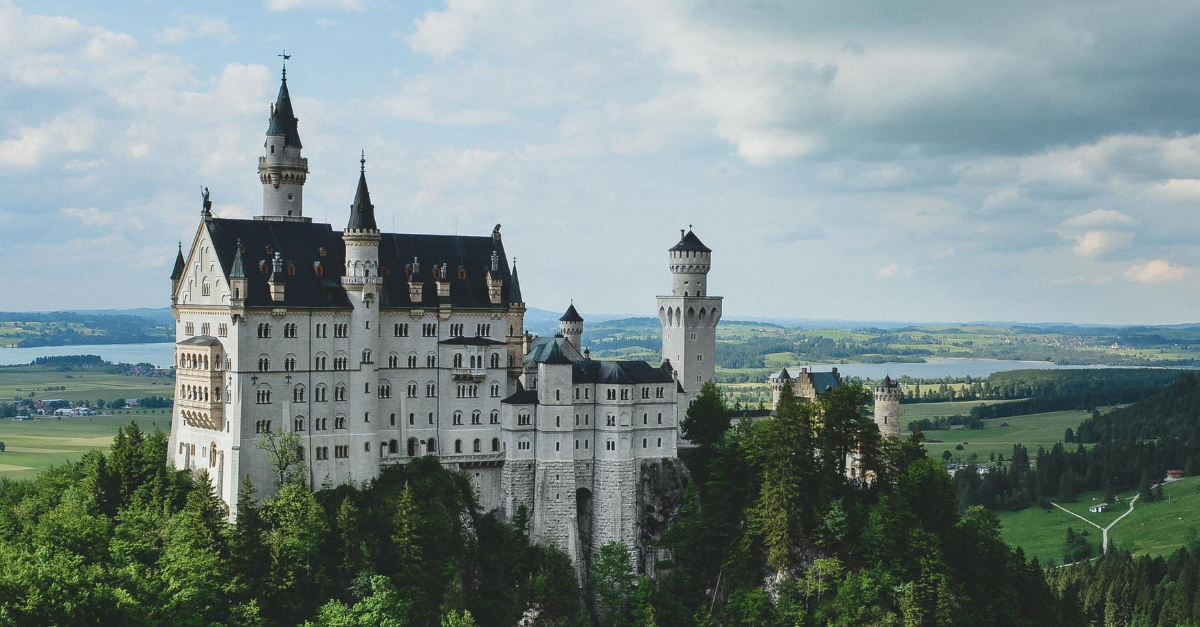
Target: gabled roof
<point x="283" y="120"/>
<point x="618" y="372"/>
<point x="301" y="243"/>
<point x="553" y="354"/>
<point x="571" y="315"/>
<point x="541" y="347"/>
<point x="689" y="242"/>
<point x="825" y="381"/>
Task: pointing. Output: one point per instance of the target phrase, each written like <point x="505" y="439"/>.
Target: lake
<point x="937" y="368"/>
<point x="161" y="354"/>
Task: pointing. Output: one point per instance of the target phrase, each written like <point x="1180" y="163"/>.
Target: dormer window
<point x="263" y="267"/>
<point x="462" y="273"/>
<point x="270" y="251"/>
<point x="291" y="269"/>
<point x="321" y="251"/>
<point x="318" y="268"/>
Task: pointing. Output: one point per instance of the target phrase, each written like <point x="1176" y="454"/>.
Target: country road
<point x="1103" y="530"/>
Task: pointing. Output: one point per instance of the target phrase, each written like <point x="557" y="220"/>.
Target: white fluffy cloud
<point x="196" y="27"/>
<point x="33" y="146"/>
<point x="330" y="5"/>
<point x="1155" y="271"/>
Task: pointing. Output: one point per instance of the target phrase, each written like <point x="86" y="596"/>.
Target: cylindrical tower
<point x="690" y="261"/>
<point x="281" y="169"/>
<point x="887" y="407"/>
<point x="570" y="326"/>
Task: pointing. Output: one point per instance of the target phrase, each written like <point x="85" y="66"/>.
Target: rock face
<point x="659" y="499"/>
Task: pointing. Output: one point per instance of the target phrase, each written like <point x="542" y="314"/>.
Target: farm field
<point x="1160" y="527"/>
<point x="32" y="446"/>
<point x="85" y="384"/>
<point x="1042" y="533"/>
<point x="1031" y="430"/>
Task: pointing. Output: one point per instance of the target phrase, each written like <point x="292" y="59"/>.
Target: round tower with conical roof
<point x="281" y="169"/>
<point x="689" y="317"/>
<point x="570" y="326"/>
<point x="887" y="407"/>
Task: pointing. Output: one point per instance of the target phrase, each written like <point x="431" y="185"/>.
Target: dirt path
<point x="1103" y="530"/>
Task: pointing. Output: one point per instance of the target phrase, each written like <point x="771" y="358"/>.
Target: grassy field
<point x="44" y="382"/>
<point x="1031" y="430"/>
<point x="1156" y="528"/>
<point x="1160" y="527"/>
<point x="32" y="446"/>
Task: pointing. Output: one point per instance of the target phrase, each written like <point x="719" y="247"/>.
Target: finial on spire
<point x="285" y="56"/>
<point x="362" y="162"/>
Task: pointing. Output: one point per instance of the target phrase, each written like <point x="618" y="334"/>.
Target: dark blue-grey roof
<point x="823" y="381"/>
<point x="177" y="271"/>
<point x="540" y="349"/>
<point x="521" y="396"/>
<point x="301" y="243"/>
<point x="514" y="286"/>
<point x="362" y="212"/>
<point x="689" y="242"/>
<point x="283" y="120"/>
<point x="596" y="371"/>
<point x="571" y="316"/>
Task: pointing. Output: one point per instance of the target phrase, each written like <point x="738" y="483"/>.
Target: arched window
<point x="476" y="418"/>
<point x="458" y="418"/>
<point x="495" y="360"/>
<point x="495" y="444"/>
<point x="477" y="447"/>
<point x="298" y="394"/>
<point x="432" y="446"/>
<point x="413" y="443"/>
<point x="458" y="446"/>
<point x="494" y="417"/>
<point x="393" y="447"/>
<point x="366" y="356"/>
<point x="299" y="423"/>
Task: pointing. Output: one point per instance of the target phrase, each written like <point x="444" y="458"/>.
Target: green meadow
<point x="31" y="446"/>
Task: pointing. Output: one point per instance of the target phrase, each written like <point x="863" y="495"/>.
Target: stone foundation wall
<point x="516" y="487"/>
<point x="554" y="511"/>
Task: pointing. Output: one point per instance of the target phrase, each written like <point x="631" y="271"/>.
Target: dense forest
<point x="1119" y="589"/>
<point x="764" y="537"/>
<point x="1131" y="447"/>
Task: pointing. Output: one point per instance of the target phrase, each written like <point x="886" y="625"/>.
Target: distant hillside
<point x="66" y="328"/>
<point x="1173" y="412"/>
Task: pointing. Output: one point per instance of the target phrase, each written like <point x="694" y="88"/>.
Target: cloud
<point x="888" y="271"/>
<point x="313" y="5"/>
<point x="1096" y="243"/>
<point x="70" y="132"/>
<point x="196" y="27"/>
<point x="1098" y="218"/>
<point x="1155" y="271"/>
<point x="1176" y="190"/>
<point x="90" y="216"/>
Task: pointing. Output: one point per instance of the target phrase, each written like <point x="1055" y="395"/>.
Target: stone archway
<point x="583" y="524"/>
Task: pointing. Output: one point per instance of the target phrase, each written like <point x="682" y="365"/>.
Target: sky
<point x="919" y="161"/>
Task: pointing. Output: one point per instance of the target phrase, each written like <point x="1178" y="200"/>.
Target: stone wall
<point x="516" y="487"/>
<point x="659" y="496"/>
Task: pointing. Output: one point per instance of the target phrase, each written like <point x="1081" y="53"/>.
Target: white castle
<point x="375" y="348"/>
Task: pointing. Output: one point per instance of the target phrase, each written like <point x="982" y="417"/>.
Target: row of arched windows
<point x="193" y="361"/>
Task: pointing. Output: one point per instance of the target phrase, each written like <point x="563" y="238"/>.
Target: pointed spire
<point x="572" y="315"/>
<point x="238" y="271"/>
<point x="514" y="288"/>
<point x="283" y="120"/>
<point x="177" y="272"/>
<point x="362" y="212"/>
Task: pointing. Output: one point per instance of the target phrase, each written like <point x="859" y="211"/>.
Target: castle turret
<point x="689" y="316"/>
<point x="363" y="283"/>
<point x="177" y="271"/>
<point x="281" y="169"/>
<point x="570" y="326"/>
<point x="887" y="407"/>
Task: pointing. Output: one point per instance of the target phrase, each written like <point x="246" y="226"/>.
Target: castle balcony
<point x="468" y="374"/>
<point x="202" y="415"/>
<point x="362" y="280"/>
<point x="469" y="460"/>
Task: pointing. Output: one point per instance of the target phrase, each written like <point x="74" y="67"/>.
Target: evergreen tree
<point x="707" y="417"/>
<point x="788" y="474"/>
<point x="247" y="539"/>
<point x="613" y="583"/>
<point x="406" y="544"/>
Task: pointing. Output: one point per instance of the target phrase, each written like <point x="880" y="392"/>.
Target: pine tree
<point x="406" y="542"/>
<point x="707" y="417"/>
<point x="247" y="539"/>
<point x="349" y="540"/>
<point x="787" y="472"/>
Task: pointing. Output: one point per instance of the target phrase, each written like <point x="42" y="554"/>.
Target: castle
<point x="375" y="348"/>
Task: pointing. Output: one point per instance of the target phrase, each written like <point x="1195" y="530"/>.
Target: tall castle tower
<point x="363" y="284"/>
<point x="281" y="168"/>
<point x="689" y="316"/>
<point x="570" y="326"/>
<point x="887" y="407"/>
